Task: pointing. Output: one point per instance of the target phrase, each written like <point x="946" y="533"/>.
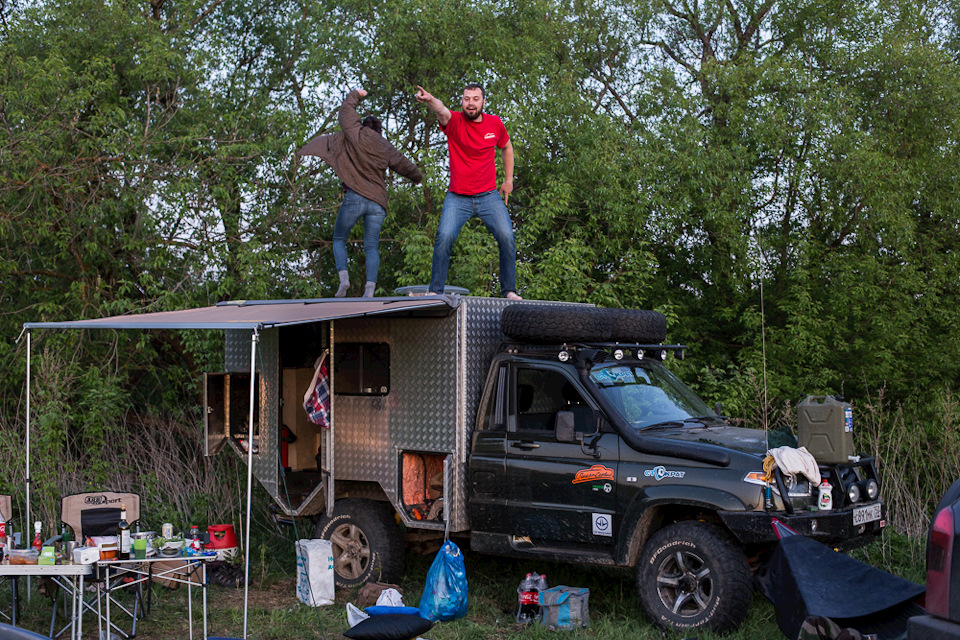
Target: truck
<point x="540" y="430"/>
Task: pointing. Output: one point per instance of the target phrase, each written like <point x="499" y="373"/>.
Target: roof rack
<point x="616" y="350"/>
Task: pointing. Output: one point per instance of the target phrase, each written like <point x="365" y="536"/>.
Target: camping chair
<point x="6" y="515"/>
<point x="98" y="514"/>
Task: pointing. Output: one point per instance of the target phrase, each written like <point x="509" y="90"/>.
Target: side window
<point x="362" y="369"/>
<point x="541" y="394"/>
<point x="495" y="409"/>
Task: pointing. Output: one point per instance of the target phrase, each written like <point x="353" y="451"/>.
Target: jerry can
<point x="825" y="428"/>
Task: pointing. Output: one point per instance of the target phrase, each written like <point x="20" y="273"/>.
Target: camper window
<point x="362" y="369"/>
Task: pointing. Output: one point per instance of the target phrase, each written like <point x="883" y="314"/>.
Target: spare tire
<point x="542" y="323"/>
<point x="636" y="325"/>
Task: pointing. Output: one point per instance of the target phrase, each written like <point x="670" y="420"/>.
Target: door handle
<point x="525" y="445"/>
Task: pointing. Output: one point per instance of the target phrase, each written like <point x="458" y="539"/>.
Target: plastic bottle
<point x="3" y="538"/>
<point x="195" y="542"/>
<point x="825" y="503"/>
<point x="37" y="540"/>
<point x="528" y="596"/>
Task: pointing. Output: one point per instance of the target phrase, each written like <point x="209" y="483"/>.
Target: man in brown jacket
<point x="360" y="155"/>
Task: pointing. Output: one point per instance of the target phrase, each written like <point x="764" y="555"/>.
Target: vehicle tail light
<point x="939" y="561"/>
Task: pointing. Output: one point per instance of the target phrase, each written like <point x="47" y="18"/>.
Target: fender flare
<point x="636" y="527"/>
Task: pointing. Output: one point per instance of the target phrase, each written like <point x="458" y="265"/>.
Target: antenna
<point x="763" y="334"/>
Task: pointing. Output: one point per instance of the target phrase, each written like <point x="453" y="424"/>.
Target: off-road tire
<point x="637" y="325"/>
<point x="367" y="544"/>
<point x="555" y="324"/>
<point x="693" y="575"/>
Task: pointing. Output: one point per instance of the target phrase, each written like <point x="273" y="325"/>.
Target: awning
<point x="259" y="314"/>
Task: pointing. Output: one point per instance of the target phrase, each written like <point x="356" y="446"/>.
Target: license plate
<point x="869" y="513"/>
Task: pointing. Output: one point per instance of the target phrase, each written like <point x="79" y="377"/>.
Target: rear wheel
<point x="693" y="575"/>
<point x="367" y="543"/>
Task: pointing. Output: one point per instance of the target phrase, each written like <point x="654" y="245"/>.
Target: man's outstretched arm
<point x="443" y="114"/>
<point x="507" y="187"/>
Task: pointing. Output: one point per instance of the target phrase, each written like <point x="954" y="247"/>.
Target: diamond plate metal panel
<point x="236" y="350"/>
<point x="363" y="449"/>
<point x="267" y="461"/>
<point x="237" y="358"/>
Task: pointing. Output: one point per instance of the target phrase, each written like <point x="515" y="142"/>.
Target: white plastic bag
<point x="315" y="572"/>
<point x="355" y="615"/>
<point x="390" y="598"/>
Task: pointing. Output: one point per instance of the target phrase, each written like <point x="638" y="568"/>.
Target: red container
<point x="221" y="536"/>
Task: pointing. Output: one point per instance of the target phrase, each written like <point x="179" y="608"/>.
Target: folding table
<point x="70" y="577"/>
<point x="190" y="570"/>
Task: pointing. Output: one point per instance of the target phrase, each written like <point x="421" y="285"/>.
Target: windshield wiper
<point x="680" y="423"/>
<point x="665" y="423"/>
<point x="702" y="419"/>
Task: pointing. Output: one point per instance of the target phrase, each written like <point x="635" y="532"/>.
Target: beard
<point x="475" y="116"/>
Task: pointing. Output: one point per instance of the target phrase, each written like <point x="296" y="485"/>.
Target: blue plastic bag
<point x="445" y="594"/>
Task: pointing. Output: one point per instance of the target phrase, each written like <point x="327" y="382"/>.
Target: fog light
<point x="563" y="356"/>
<point x="853" y="493"/>
<point x="618" y="354"/>
<point x="663" y="355"/>
<point x="872" y="489"/>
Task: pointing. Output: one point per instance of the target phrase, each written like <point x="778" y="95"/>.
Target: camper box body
<point x="416" y="410"/>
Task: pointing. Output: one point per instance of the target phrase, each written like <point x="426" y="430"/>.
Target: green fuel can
<point x="825" y="428"/>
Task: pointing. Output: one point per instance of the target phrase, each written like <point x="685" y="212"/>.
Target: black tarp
<point x="806" y="578"/>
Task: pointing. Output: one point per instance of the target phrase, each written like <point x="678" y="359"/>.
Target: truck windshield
<point x="647" y="395"/>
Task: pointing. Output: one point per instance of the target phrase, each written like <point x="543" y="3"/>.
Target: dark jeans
<point x="353" y="208"/>
<point x="491" y="210"/>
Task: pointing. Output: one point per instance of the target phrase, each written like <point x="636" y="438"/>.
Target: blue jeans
<point x="491" y="210"/>
<point x="353" y="208"/>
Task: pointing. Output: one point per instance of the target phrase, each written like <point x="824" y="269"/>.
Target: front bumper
<point x="834" y="527"/>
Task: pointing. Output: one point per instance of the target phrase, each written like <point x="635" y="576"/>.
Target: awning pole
<point x="26" y="527"/>
<point x="255" y="338"/>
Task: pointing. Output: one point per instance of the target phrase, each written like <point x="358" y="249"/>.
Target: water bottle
<point x="528" y="596"/>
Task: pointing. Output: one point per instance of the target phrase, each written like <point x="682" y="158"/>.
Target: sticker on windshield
<point x="594" y="473"/>
<point x="613" y="375"/>
<point x="602" y="525"/>
<point x="661" y="472"/>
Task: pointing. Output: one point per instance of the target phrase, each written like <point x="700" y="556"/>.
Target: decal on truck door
<point x="602" y="524"/>
<point x="594" y="473"/>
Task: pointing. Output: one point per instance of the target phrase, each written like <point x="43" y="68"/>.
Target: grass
<point x="276" y="614"/>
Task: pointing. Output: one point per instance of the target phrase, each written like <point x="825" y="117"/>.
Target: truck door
<point x="556" y="491"/>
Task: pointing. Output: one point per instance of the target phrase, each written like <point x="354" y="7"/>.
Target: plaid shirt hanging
<point x="317" y="401"/>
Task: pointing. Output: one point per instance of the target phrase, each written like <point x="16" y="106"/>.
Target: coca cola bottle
<point x="528" y="596"/>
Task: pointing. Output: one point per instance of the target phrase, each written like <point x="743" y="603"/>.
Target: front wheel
<point x="367" y="544"/>
<point x="693" y="575"/>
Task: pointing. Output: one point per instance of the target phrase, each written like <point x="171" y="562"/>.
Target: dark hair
<point x="372" y="122"/>
<point x="475" y="85"/>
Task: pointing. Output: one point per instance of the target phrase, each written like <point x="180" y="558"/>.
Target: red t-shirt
<point x="473" y="164"/>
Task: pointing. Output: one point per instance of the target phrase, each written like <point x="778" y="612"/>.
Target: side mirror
<point x="566" y="431"/>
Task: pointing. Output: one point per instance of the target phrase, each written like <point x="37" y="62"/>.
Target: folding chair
<point x="98" y="514"/>
<point x="6" y="515"/>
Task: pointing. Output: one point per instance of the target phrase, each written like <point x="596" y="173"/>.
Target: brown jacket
<point x="359" y="155"/>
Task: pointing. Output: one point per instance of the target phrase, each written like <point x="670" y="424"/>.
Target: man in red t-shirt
<point x="473" y="138"/>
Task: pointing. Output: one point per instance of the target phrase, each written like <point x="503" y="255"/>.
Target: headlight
<point x="872" y="489"/>
<point x="853" y="493"/>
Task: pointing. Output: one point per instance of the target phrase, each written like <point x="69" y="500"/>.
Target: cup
<point x="68" y="549"/>
<point x="140" y="548"/>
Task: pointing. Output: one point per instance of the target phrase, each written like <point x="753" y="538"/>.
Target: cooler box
<point x="825" y="428"/>
<point x="223" y="540"/>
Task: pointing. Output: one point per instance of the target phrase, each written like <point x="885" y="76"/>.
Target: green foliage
<point x="779" y="178"/>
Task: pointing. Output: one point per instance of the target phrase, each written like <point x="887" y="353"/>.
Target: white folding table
<point x="189" y="568"/>
<point x="70" y="577"/>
